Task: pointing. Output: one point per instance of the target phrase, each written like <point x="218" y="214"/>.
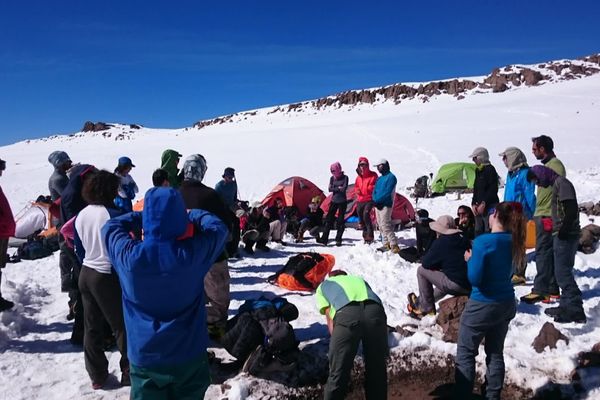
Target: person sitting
<point x="255" y="229"/>
<point x="425" y="237"/>
<point x="277" y="217"/>
<point x="313" y="222"/>
<point x="443" y="266"/>
<point x="465" y="221"/>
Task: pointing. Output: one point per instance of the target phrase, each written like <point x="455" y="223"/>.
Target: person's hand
<point x="474" y="207"/>
<point x="481" y="208"/>
<point x="468" y="255"/>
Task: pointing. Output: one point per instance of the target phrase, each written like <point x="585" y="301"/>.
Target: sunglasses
<point x="363" y="165"/>
<point x="461" y="213"/>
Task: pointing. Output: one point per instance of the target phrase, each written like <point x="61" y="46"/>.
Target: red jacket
<point x="7" y="222"/>
<point x="364" y="185"/>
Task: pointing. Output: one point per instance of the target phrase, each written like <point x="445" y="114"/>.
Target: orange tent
<point x="295" y="191"/>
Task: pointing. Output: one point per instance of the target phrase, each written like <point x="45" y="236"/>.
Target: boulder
<point x="548" y="337"/>
<point x="588" y="241"/>
<point x="449" y="312"/>
<point x="90" y="126"/>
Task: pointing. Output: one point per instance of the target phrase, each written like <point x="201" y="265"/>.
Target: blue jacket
<point x="490" y="268"/>
<point x="228" y="192"/>
<point x="520" y="190"/>
<point x="162" y="277"/>
<point x="385" y="190"/>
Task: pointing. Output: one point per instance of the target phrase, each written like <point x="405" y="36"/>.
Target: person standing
<point x="492" y="304"/>
<point x="354" y="314"/>
<point x="197" y="195"/>
<point x="128" y="188"/>
<point x="545" y="288"/>
<point x="485" y="189"/>
<point x="363" y="187"/>
<point x="7" y="229"/>
<point x="162" y="278"/>
<point x="58" y="180"/>
<point x="169" y="161"/>
<point x="228" y="190"/>
<point x="99" y="286"/>
<point x="565" y="240"/>
<point x="338" y="184"/>
<point x="519" y="189"/>
<point x="383" y="198"/>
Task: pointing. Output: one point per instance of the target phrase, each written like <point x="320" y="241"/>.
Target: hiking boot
<point x="395" y="249"/>
<point x="385" y="247"/>
<point x="262" y="245"/>
<point x="532" y="298"/>
<point x="417" y="313"/>
<point x="125" y="378"/>
<point x="97" y="384"/>
<point x="71" y="314"/>
<point x="299" y="239"/>
<point x="518" y="280"/>
<point x="338" y="243"/>
<point x="552" y="312"/>
<point x="553" y="298"/>
<point x="565" y="317"/>
<point x="5" y="304"/>
<point x="323" y="241"/>
<point x="413" y="301"/>
<point x="281" y="242"/>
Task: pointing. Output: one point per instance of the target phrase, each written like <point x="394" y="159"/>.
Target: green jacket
<point x="168" y="161"/>
<point x="544" y="195"/>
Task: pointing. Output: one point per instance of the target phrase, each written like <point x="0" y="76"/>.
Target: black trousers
<point x="3" y="250"/>
<point x="357" y="322"/>
<point x="363" y="209"/>
<point x="340" y="224"/>
<point x="101" y="296"/>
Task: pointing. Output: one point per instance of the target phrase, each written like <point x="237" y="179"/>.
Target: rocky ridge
<point x="499" y="80"/>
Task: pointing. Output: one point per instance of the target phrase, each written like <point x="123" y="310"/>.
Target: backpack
<point x="421" y="189"/>
<point x="303" y="271"/>
<point x="37" y="248"/>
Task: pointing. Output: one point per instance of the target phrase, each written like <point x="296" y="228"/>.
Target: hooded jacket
<point x="59" y="179"/>
<point x="517" y="187"/>
<point x="162" y="278"/>
<point x="385" y="189"/>
<point x="365" y="183"/>
<point x="7" y="221"/>
<point x="71" y="200"/>
<point x="485" y="187"/>
<point x="168" y="162"/>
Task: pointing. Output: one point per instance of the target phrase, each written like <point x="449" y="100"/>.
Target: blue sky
<point x="170" y="64"/>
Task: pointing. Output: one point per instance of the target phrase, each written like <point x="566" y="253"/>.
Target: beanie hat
<point x="229" y="172"/>
<point x="58" y="158"/>
<point x="194" y="168"/>
<point x="482" y="155"/>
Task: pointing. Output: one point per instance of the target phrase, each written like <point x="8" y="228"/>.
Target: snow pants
<point x="339" y="221"/>
<point x="187" y="381"/>
<point x="357" y="322"/>
<point x="384" y="221"/>
<point x="429" y="278"/>
<point x="363" y="209"/>
<point x="544" y="282"/>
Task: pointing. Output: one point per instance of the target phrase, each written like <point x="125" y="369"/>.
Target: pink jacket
<point x="7" y="221"/>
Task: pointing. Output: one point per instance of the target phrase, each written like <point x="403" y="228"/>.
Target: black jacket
<point x="314" y="218"/>
<point x="447" y="254"/>
<point x="425" y="236"/>
<point x="256" y="221"/>
<point x="486" y="186"/>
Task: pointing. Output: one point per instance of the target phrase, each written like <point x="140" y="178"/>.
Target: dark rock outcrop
<point x="548" y="337"/>
<point x="449" y="312"/>
<point x="90" y="126"/>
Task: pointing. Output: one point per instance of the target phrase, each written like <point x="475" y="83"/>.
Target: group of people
<point x="156" y="281"/>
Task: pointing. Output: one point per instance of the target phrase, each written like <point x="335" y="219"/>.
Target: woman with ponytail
<point x="492" y="303"/>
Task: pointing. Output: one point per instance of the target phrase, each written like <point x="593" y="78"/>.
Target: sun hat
<point x="444" y="225"/>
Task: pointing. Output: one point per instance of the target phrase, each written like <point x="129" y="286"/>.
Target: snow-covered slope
<point x="266" y="146"/>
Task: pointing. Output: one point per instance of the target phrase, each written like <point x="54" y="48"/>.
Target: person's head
<point x="101" y="188"/>
<point x="465" y="214"/>
<point x="194" y="168"/>
<point x="444" y="225"/>
<point x="422" y="215"/>
<point x="124" y="166"/>
<point x="2" y="166"/>
<point x="542" y="147"/>
<point x="480" y="156"/>
<point x="43" y="199"/>
<point x="382" y="165"/>
<point x="363" y="165"/>
<point x="337" y="272"/>
<point x="336" y="169"/>
<point x="541" y="175"/>
<point x="164" y="216"/>
<point x="229" y="174"/>
<point x="160" y="177"/>
<point x="279" y="203"/>
<point x="513" y="158"/>
<point x="60" y="161"/>
<point x="508" y="217"/>
<point x="314" y="204"/>
<point x="169" y="158"/>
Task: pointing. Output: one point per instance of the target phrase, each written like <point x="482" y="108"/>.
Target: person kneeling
<point x="443" y="266"/>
